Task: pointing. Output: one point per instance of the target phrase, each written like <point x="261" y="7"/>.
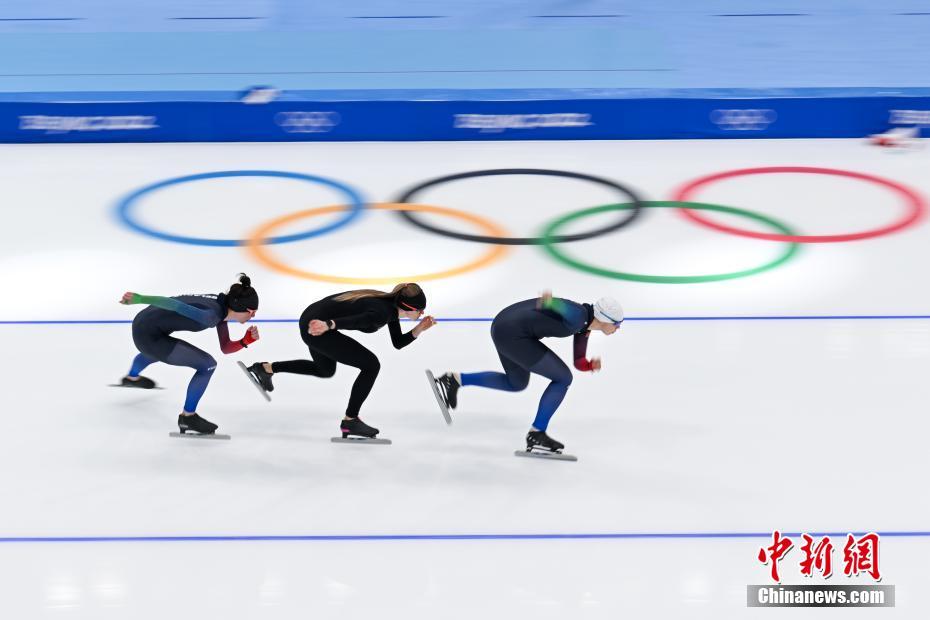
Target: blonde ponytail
<point x="370" y="292"/>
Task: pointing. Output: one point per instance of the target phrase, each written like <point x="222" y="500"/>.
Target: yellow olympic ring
<point x="255" y="245"/>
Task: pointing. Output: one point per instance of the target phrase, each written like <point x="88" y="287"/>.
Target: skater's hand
<point x="251" y="335"/>
<point x="595" y="364"/>
<point x="422" y="326"/>
<point x="544" y="299"/>
<point x="318" y="328"/>
<point x="127" y="298"/>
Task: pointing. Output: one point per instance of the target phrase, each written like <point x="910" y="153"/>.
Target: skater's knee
<point x="207" y="365"/>
<point x="518" y="384"/>
<point x="371" y="365"/>
<point x="327" y="371"/>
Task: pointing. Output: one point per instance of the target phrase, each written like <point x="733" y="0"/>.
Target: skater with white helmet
<point x="516" y="332"/>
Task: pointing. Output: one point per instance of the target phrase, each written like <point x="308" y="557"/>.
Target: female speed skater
<point x="152" y="331"/>
<point x="321" y="328"/>
<point x="516" y="332"/>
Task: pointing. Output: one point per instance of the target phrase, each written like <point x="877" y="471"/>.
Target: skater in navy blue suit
<point x="152" y="331"/>
<point x="517" y="331"/>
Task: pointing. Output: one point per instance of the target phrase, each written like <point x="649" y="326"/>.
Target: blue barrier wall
<point x="470" y="118"/>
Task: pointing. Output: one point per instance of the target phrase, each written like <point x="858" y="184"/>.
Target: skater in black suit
<point x="322" y="327"/>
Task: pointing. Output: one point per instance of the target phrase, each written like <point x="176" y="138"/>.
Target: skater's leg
<point x="516" y="356"/>
<point x="186" y="354"/>
<point x="554" y="369"/>
<point x="320" y="366"/>
<point x="345" y="350"/>
<point x="139" y="363"/>
<point x="515" y="378"/>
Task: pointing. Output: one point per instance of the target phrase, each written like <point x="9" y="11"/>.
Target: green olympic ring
<point x="553" y="250"/>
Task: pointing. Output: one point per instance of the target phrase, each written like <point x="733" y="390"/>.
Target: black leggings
<point x="329" y="349"/>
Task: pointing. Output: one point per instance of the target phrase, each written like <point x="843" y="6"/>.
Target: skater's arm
<point x="401" y="339"/>
<point x="398" y="338"/>
<point x="580" y="347"/>
<point x="228" y="346"/>
<point x="570" y="312"/>
<point x="355" y="321"/>
<point x="167" y="303"/>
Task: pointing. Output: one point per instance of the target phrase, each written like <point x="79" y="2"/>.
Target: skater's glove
<point x="251" y="335"/>
<point x="586" y="365"/>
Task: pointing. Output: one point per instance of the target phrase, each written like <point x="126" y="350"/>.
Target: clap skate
<point x="195" y="427"/>
<point x="445" y="389"/>
<point x="356" y="431"/>
<point x="541" y="445"/>
<point x="259" y="377"/>
<point x="141" y="383"/>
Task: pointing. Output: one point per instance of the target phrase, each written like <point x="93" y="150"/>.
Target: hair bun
<point x="244" y="280"/>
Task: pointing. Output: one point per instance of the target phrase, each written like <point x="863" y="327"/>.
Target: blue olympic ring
<point x="355" y="202"/>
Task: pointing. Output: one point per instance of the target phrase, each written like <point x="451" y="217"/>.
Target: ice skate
<point x="193" y="426"/>
<point x="445" y="389"/>
<point x="259" y="377"/>
<point x="356" y="431"/>
<point x="541" y="445"/>
<point x="142" y="383"/>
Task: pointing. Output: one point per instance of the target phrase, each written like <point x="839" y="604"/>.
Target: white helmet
<point x="608" y="310"/>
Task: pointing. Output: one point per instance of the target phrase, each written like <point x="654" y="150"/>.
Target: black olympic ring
<point x="628" y="194"/>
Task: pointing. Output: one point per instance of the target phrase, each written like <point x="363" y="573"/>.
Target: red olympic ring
<point x="917" y="206"/>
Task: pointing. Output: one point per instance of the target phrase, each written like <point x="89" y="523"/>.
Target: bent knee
<point x="371" y="365"/>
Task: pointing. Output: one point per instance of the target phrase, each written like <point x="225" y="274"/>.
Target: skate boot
<point x="542" y="446"/>
<point x="354" y="426"/>
<point x="355" y="431"/>
<point x="195" y="424"/>
<point x="449" y="389"/>
<point x="262" y="376"/>
<point x="539" y="440"/>
<point x="140" y="382"/>
<point x="445" y="389"/>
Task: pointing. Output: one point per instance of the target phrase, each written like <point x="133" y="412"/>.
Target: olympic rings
<point x="256" y="245"/>
<point x="556" y="253"/>
<point x="354" y="199"/>
<point x="916" y="203"/>
<point x="408" y="197"/>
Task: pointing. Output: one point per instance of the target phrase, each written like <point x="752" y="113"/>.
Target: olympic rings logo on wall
<point x="307" y="122"/>
<point x="744" y="119"/>
<point x="684" y="200"/>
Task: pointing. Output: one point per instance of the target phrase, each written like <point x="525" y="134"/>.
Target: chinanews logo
<point x="496" y="123"/>
<point x="910" y="117"/>
<point x="858" y="561"/>
<point x="749" y="119"/>
<point x="307" y="122"/>
<point x="66" y="124"/>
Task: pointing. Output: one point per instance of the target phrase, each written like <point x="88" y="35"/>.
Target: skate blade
<point x="442" y="406"/>
<point x="552" y="456"/>
<point x="193" y="435"/>
<point x="374" y="440"/>
<point x="120" y="385"/>
<point x="258" y="386"/>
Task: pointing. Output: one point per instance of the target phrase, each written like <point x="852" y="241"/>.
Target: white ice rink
<point x="698" y="439"/>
